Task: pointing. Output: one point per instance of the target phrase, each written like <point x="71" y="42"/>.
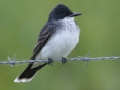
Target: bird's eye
<point x="64" y="14"/>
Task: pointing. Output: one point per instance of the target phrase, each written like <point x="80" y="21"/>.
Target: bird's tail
<point x="28" y="74"/>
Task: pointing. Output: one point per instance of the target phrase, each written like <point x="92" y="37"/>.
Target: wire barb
<point x="11" y="62"/>
<point x="86" y="59"/>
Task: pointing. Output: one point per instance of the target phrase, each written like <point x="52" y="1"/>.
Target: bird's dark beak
<point x="75" y="14"/>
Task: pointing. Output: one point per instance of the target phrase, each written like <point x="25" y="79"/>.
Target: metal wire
<point x="12" y="62"/>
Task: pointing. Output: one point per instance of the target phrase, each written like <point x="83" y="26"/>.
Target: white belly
<point x="60" y="45"/>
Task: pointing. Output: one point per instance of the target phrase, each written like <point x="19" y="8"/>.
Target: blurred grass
<point x="20" y="24"/>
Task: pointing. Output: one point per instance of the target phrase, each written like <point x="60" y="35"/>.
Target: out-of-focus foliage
<point x="20" y="24"/>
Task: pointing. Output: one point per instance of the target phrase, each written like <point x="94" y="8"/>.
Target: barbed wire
<point x="12" y="61"/>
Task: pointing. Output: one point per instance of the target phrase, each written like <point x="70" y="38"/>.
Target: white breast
<point x="62" y="42"/>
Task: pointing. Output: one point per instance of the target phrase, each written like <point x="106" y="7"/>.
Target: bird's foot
<point x="50" y="61"/>
<point x="64" y="60"/>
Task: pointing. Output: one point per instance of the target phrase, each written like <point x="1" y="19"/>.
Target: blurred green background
<point x="20" y="24"/>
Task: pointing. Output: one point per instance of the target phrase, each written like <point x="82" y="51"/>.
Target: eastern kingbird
<point x="56" y="40"/>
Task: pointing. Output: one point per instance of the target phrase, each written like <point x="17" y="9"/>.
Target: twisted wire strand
<point x="12" y="62"/>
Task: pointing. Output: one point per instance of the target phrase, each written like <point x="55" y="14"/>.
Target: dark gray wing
<point x="44" y="36"/>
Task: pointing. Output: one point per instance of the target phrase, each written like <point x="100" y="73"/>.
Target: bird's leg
<point x="50" y="61"/>
<point x="64" y="60"/>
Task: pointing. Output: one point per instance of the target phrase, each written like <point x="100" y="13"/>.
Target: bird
<point x="56" y="40"/>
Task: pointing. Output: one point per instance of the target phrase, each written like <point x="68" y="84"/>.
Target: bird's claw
<point x="50" y="61"/>
<point x="64" y="60"/>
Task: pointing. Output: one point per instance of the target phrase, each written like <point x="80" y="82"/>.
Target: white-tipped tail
<point x="29" y="73"/>
<point x="17" y="80"/>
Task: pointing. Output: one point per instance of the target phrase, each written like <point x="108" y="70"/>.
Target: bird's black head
<point x="60" y="12"/>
